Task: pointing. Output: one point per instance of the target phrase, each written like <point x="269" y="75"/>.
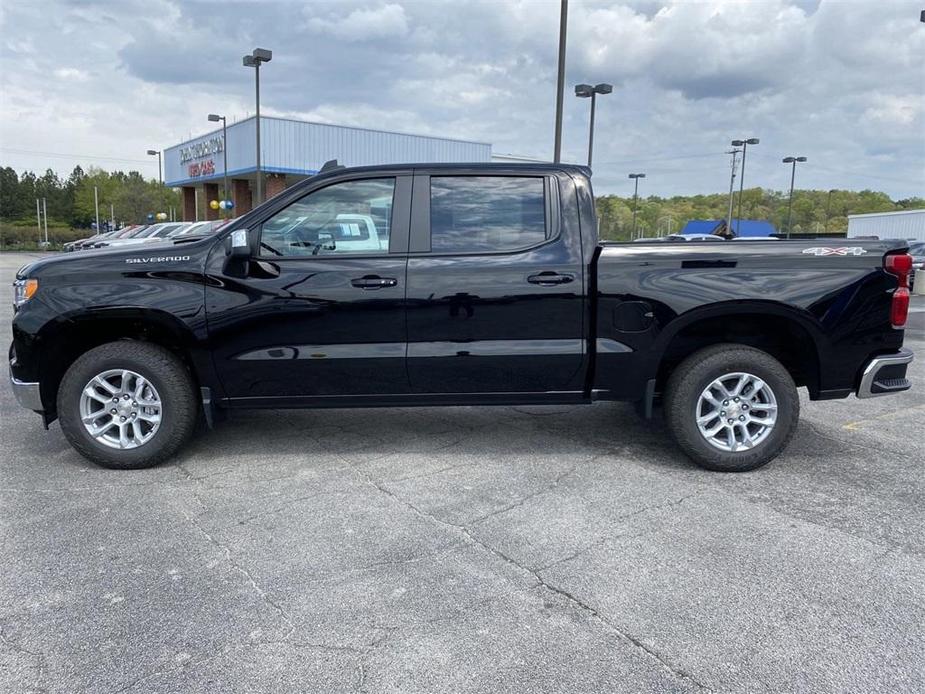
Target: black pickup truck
<point x="446" y="285"/>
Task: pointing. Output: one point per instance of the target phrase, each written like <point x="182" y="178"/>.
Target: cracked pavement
<point x="511" y="549"/>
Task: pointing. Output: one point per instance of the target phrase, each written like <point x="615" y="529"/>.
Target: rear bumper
<point x="885" y="375"/>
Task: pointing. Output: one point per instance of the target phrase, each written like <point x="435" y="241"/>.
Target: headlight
<point x="23" y="291"/>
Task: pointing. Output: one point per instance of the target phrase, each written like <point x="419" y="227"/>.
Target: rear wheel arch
<point x="790" y="336"/>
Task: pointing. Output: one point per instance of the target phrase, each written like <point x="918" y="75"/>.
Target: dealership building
<point x="291" y="151"/>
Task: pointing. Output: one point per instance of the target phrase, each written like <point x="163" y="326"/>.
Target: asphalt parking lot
<point x="515" y="549"/>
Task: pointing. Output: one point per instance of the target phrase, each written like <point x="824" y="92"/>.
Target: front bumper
<point x="885" y="375"/>
<point x="27" y="394"/>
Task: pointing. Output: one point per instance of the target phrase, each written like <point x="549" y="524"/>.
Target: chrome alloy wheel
<point x="120" y="409"/>
<point x="736" y="412"/>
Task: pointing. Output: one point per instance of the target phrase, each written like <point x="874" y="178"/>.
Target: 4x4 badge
<point x="824" y="250"/>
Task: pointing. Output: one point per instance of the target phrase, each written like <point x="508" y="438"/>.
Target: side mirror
<point x="240" y="244"/>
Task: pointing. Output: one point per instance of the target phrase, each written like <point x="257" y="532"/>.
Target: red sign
<point x="204" y="168"/>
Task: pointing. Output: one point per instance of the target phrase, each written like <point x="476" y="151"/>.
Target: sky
<point x="841" y="83"/>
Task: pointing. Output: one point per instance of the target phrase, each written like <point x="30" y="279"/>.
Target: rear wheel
<point x="127" y="405"/>
<point x="731" y="408"/>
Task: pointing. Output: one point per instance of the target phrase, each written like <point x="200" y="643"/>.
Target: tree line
<point x="130" y="197"/>
<point x="814" y="211"/>
<point x="70" y="201"/>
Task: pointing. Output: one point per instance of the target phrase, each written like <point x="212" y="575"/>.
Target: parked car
<point x="492" y="289"/>
<point x="126" y="233"/>
<point x="917" y="251"/>
<point x="199" y="228"/>
<point x="694" y="237"/>
<point x="90" y="240"/>
<point x="152" y="233"/>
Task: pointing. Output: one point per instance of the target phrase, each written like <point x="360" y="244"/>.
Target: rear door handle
<point x="373" y="282"/>
<point x="549" y="278"/>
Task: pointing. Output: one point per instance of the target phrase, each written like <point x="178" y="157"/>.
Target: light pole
<point x="744" y="145"/>
<point x="260" y="55"/>
<point x="560" y="80"/>
<point x="215" y="118"/>
<point x="732" y="178"/>
<point x="793" y="172"/>
<point x="635" y="176"/>
<point x="160" y="176"/>
<point x="584" y="91"/>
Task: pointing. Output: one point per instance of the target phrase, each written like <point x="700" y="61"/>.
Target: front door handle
<point x="373" y="282"/>
<point x="549" y="278"/>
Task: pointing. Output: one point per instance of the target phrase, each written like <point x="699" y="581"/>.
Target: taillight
<point x="899" y="309"/>
<point x="901" y="266"/>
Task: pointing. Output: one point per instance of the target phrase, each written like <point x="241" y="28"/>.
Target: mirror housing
<point x="239" y="244"/>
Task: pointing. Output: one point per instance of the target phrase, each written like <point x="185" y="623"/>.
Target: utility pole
<point x="793" y="172"/>
<point x="635" y="177"/>
<point x="732" y="178"/>
<point x="560" y="84"/>
<point x="744" y="145"/>
<point x="96" y="204"/>
<point x="38" y="216"/>
<point x="45" y="215"/>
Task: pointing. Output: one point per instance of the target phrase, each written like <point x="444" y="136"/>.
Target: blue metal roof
<point x="702" y="226"/>
<point x="744" y="227"/>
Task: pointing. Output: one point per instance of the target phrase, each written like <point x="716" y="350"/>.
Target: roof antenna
<point x="331" y="165"/>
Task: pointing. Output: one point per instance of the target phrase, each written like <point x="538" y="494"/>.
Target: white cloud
<point x="360" y="24"/>
<point x="839" y="84"/>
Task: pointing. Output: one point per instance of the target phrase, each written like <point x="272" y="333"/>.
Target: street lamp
<point x="153" y="152"/>
<point x="584" y="91"/>
<point x="635" y="176"/>
<point x="793" y="173"/>
<point x="744" y="145"/>
<point x="215" y="118"/>
<point x="260" y="55"/>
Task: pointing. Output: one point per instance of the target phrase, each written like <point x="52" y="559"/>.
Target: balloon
<point x="222" y="205"/>
<point x="229" y="204"/>
<point x="162" y="216"/>
<point x="150" y="216"/>
<point x="214" y="204"/>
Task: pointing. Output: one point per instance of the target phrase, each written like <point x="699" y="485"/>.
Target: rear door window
<point x="487" y="214"/>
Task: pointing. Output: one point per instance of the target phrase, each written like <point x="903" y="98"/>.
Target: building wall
<point x="299" y="147"/>
<point x="908" y="224"/>
<point x="296" y="145"/>
<point x="241" y="155"/>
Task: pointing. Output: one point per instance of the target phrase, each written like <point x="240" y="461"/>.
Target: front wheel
<point x="731" y="408"/>
<point x="127" y="405"/>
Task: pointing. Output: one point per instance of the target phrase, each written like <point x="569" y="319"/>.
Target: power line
<point x="620" y="162"/>
<point x="62" y="155"/>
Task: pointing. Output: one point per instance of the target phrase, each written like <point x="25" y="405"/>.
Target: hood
<point x="171" y="253"/>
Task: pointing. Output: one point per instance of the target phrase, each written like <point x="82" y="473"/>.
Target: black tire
<point x="168" y="376"/>
<point x="699" y="370"/>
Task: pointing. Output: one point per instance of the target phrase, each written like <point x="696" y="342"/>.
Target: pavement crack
<point x="255" y="586"/>
<point x="517" y="504"/>
<point x="540" y="581"/>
